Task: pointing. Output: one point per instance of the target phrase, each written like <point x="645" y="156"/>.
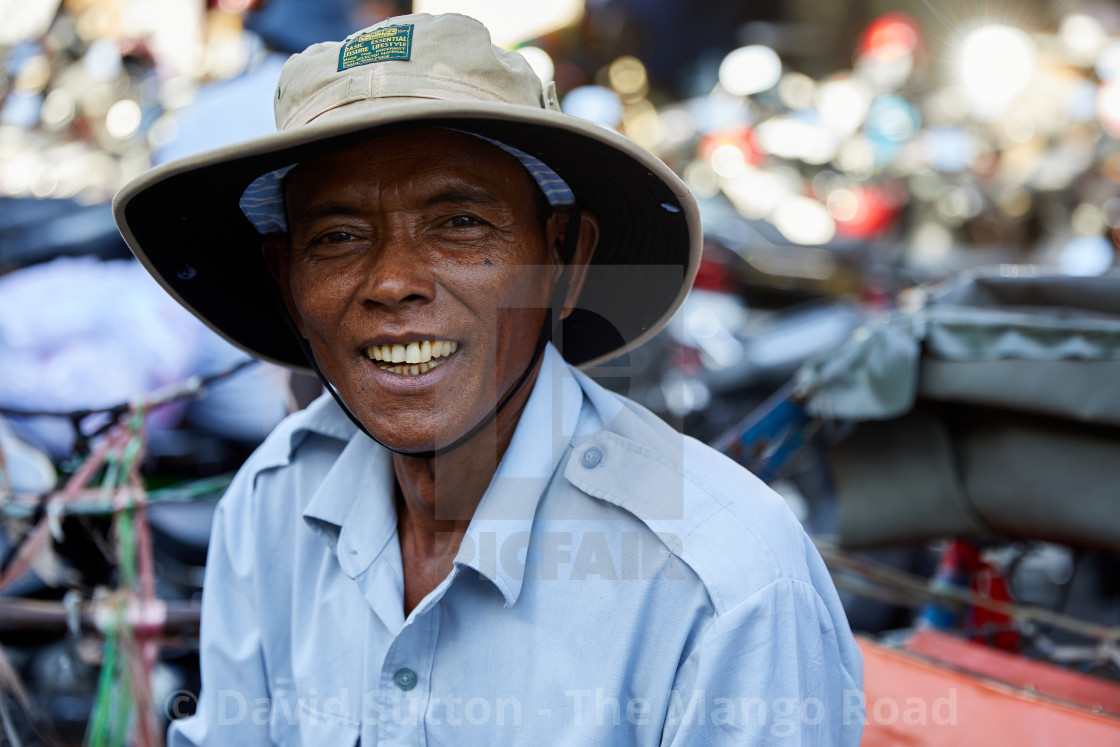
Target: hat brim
<point x="183" y="222"/>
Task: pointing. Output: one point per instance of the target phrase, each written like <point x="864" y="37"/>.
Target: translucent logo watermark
<point x="574" y="555"/>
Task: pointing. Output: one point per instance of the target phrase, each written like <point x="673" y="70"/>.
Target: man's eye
<point x="336" y="237"/>
<point x="463" y="221"/>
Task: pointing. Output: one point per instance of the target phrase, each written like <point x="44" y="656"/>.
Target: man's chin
<point x="425" y="442"/>
<point x="427" y="425"/>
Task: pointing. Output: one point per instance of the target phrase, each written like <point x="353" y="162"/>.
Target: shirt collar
<point x="504" y="517"/>
<point x="353" y="506"/>
<point x="322" y="417"/>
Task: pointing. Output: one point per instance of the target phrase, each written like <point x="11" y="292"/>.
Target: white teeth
<point x="414" y="352"/>
<point x="416" y="357"/>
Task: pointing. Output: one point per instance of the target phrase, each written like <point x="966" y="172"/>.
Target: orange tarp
<point x="912" y="700"/>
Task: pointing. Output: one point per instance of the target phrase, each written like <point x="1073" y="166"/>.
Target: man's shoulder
<point x="322" y="418"/>
<point x="308" y="440"/>
<point x="733" y="530"/>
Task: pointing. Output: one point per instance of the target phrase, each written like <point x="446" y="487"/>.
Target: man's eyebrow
<point x="465" y="193"/>
<point x="326" y="210"/>
<point x="460" y="193"/>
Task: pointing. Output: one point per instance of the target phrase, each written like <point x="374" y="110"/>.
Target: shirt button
<point x="592" y="457"/>
<point x="405" y="678"/>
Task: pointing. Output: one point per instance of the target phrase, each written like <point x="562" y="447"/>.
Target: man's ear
<point x="585" y="250"/>
<point x="277" y="254"/>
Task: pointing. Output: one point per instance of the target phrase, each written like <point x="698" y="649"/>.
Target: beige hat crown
<point x="187" y="223"/>
<point x="448" y="57"/>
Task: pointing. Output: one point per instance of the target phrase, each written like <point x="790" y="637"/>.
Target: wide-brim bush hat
<point x="185" y="221"/>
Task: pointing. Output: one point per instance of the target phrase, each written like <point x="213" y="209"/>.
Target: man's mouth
<point x="413" y="358"/>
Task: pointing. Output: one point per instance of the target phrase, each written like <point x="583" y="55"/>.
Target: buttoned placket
<point x="398" y="688"/>
<point x="396" y="685"/>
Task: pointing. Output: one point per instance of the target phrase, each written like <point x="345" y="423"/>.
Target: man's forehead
<point x="426" y="150"/>
<point x="408" y="172"/>
<point x="424" y="141"/>
<point x="308" y="198"/>
<point x="414" y="155"/>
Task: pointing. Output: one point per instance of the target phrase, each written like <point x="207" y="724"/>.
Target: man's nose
<point x="397" y="272"/>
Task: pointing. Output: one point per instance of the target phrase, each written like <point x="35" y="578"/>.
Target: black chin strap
<point x="552" y="321"/>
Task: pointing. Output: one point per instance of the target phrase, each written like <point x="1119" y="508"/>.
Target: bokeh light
<point x="1108" y="64"/>
<point x="750" y="70"/>
<point x="891" y="37"/>
<point x="1086" y="255"/>
<point x="843" y="103"/>
<point x="804" y="220"/>
<point x="996" y="64"/>
<point x="540" y="61"/>
<point x="1083" y="37"/>
<point x="595" y="103"/>
<point x="797" y="90"/>
<point x="123" y="119"/>
<point x="1108" y="107"/>
<point x="628" y="77"/>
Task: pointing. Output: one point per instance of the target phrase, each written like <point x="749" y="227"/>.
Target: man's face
<point x="422" y="245"/>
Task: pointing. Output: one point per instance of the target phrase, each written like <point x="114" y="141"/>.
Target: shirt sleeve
<point x="773" y="670"/>
<point x="233" y="704"/>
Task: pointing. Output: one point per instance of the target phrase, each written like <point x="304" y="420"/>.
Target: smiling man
<point x="467" y="540"/>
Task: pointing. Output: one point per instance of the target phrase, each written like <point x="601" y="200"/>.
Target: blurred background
<point x="842" y="153"/>
<point x="848" y="155"/>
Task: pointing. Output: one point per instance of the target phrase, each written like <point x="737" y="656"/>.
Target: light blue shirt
<point x="619" y="584"/>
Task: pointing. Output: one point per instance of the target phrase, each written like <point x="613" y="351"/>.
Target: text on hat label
<point x="378" y="45"/>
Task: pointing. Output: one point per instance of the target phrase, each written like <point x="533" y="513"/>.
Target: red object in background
<point x="961" y="556"/>
<point x="712" y="275"/>
<point x="874" y="296"/>
<point x="742" y="138"/>
<point x="989" y="582"/>
<point x="872" y="211"/>
<point x="962" y="566"/>
<point x="891" y="37"/>
<point x="685" y="359"/>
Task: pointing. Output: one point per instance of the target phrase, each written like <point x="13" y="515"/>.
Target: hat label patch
<point x="378" y="45"/>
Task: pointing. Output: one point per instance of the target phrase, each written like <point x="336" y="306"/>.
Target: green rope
<point x="124" y="707"/>
<point x="130" y="452"/>
<point x="113" y="706"/>
<point x="97" y="733"/>
<point x="136" y="422"/>
<point x="111" y="478"/>
<point x="110" y="722"/>
<point x="126" y="548"/>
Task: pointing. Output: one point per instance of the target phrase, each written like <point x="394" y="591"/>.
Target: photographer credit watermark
<point x="780" y="717"/>
<point x="783" y="717"/>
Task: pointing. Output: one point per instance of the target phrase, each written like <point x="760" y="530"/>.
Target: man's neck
<point x="437" y="497"/>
